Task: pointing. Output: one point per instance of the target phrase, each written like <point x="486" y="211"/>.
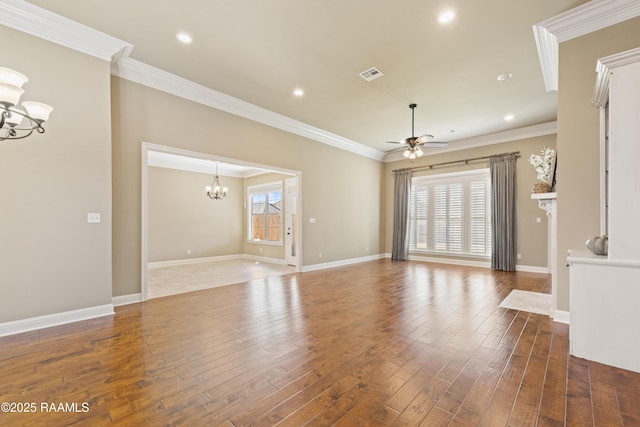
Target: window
<point x="265" y="213"/>
<point x="451" y="213"/>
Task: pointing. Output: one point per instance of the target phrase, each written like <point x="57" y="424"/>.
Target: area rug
<point x="534" y="302"/>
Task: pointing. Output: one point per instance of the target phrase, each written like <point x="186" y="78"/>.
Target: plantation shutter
<point x="419" y="204"/>
<point x="451" y="213"/>
<point x="454" y="238"/>
<point x="480" y="217"/>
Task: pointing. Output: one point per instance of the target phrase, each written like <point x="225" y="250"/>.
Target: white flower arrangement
<point x="543" y="163"/>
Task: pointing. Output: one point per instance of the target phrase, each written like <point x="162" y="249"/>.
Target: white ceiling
<point x="259" y="51"/>
<point x="203" y="165"/>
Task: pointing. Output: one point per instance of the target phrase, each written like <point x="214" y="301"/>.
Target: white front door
<point x="291" y="191"/>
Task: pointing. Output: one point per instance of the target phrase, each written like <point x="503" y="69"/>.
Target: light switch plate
<point x="93" y="218"/>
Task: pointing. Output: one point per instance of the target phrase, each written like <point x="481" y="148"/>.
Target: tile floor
<point x="163" y="281"/>
<point x="533" y="302"/>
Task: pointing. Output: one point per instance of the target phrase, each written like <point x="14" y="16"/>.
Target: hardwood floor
<point x="380" y="343"/>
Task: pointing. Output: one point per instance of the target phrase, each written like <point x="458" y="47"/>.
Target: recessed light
<point x="509" y="117"/>
<point x="446" y="16"/>
<point x="298" y="92"/>
<point x="184" y="38"/>
<point x="504" y="76"/>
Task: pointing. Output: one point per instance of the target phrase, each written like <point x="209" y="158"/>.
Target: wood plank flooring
<point x="380" y="343"/>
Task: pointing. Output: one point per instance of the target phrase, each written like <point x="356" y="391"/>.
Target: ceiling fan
<point x="414" y="143"/>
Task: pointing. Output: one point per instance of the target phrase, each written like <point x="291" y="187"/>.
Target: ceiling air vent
<point x="371" y="74"/>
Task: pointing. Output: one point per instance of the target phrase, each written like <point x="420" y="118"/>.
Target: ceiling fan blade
<point x="413" y="144"/>
<point x="435" y="144"/>
<point x="424" y="138"/>
<point x="396" y="149"/>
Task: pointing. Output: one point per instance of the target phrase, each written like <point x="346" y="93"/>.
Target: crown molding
<point x="533" y="131"/>
<point x="581" y="20"/>
<point x="31" y="19"/>
<point x="604" y="67"/>
<point x="144" y="74"/>
<point x="206" y="166"/>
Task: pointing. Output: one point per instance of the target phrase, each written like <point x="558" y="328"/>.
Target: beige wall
<point x="341" y="190"/>
<point x="51" y="260"/>
<point x="182" y="218"/>
<point x="578" y="130"/>
<point x="531" y="236"/>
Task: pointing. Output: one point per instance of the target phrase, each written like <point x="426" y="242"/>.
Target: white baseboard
<point x="126" y="299"/>
<point x="532" y="269"/>
<point x="452" y="261"/>
<point x="340" y="263"/>
<point x="55" y="319"/>
<point x="171" y="263"/>
<point x="186" y="261"/>
<point x="278" y="261"/>
<point x="561" y="316"/>
<point x="471" y="263"/>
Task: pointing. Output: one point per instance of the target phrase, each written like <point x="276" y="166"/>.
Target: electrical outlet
<point x="538" y="220"/>
<point x="319" y="254"/>
<point x="188" y="251"/>
<point x="519" y="256"/>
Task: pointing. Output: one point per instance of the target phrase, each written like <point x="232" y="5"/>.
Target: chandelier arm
<point x="15" y="131"/>
<point x="12" y="134"/>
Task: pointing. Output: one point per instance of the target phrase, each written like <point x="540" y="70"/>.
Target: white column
<point x="624" y="158"/>
<point x="548" y="203"/>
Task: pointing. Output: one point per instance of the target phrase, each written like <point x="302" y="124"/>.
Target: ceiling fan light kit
<point x="414" y="144"/>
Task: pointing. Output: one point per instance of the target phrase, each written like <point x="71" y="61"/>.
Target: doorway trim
<point x="292" y="222"/>
<point x="144" y="225"/>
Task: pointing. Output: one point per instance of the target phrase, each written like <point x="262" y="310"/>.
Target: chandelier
<point x="18" y="122"/>
<point x="215" y="191"/>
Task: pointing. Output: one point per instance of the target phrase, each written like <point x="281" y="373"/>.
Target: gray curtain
<point x="402" y="192"/>
<point x="503" y="215"/>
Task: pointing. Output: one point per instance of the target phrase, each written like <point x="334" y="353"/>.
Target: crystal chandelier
<point x="17" y="122"/>
<point x="215" y="191"/>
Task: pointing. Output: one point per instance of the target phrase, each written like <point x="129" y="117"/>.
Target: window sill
<point x="265" y="242"/>
<point x="449" y="254"/>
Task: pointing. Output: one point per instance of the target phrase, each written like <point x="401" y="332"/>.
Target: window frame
<point x="426" y="185"/>
<point x="264" y="190"/>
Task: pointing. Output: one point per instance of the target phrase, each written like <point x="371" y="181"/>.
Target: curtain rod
<point x="465" y="161"/>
